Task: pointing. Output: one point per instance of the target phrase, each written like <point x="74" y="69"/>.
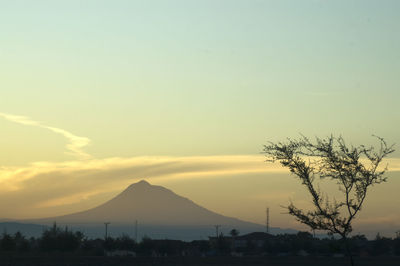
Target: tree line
<point x="57" y="241"/>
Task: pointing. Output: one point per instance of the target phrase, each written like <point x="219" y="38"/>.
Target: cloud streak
<point x="36" y="188"/>
<point x="44" y="189"/>
<point x="75" y="143"/>
<point x="48" y="188"/>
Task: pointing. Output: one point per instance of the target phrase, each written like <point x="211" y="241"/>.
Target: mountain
<point x="160" y="212"/>
<point x="26" y="229"/>
<point x="151" y="205"/>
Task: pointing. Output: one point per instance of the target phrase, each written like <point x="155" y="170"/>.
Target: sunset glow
<point x="96" y="95"/>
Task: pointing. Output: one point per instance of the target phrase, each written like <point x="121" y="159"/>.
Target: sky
<point x="96" y="95"/>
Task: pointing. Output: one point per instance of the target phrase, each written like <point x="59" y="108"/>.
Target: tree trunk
<point x="346" y="241"/>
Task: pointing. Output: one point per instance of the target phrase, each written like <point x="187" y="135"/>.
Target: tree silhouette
<point x="57" y="239"/>
<point x="234" y="233"/>
<point x="396" y="244"/>
<point x="7" y="242"/>
<point x="354" y="169"/>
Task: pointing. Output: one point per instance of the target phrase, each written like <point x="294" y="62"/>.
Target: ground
<point x="176" y="261"/>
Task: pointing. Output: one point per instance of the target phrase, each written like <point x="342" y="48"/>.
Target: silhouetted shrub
<point x="7" y="242"/>
<point x="146" y="246"/>
<point x="56" y="239"/>
<point x="22" y="244"/>
<point x="396" y="246"/>
<point x="381" y="246"/>
<point x="125" y="242"/>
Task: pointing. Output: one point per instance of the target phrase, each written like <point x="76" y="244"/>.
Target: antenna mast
<point x="267" y="221"/>
<point x="106" y="224"/>
<point x="136" y="230"/>
<point x="217" y="226"/>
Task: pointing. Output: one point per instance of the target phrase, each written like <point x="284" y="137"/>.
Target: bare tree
<point x="354" y="169"/>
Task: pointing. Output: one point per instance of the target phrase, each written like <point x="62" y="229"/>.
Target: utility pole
<point x="267" y="222"/>
<point x="136" y="230"/>
<point x="217" y="226"/>
<point x="106" y="224"/>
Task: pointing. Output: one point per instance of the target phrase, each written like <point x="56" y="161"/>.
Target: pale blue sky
<point x="201" y="77"/>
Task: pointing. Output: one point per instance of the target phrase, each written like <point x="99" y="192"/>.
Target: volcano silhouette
<point x="160" y="213"/>
<point x="151" y="205"/>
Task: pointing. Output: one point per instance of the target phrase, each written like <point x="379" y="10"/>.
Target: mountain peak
<point x="141" y="183"/>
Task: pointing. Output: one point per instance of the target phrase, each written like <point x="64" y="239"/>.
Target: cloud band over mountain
<point x="54" y="188"/>
<point x="50" y="184"/>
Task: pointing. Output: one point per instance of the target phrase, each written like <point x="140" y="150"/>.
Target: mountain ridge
<point x="160" y="213"/>
<point x="150" y="204"/>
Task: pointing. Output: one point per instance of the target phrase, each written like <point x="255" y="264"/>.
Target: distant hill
<point x="160" y="213"/>
<point x="26" y="229"/>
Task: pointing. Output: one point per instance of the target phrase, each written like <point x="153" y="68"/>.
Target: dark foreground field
<point x="220" y="261"/>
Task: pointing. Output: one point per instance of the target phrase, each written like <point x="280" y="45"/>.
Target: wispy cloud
<point x="387" y="218"/>
<point x="75" y="143"/>
<point x="19" y="119"/>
